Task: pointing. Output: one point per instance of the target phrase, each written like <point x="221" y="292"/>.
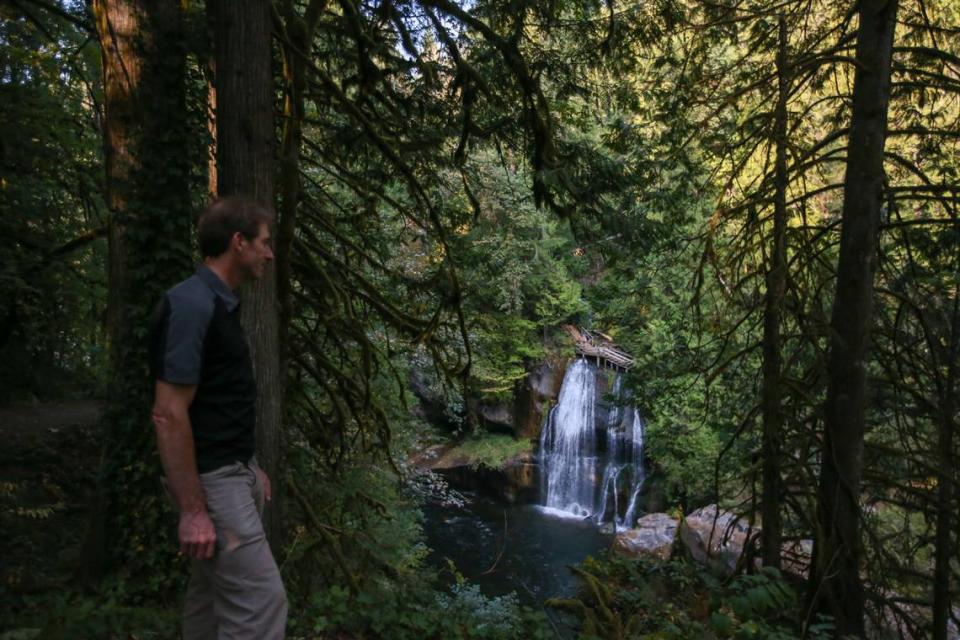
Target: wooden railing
<point x="603" y="350"/>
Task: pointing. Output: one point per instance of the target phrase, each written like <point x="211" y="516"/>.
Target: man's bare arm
<point x="171" y="418"/>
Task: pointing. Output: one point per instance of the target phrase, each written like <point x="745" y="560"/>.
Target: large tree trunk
<point x="118" y="24"/>
<point x="770" y="536"/>
<point x="148" y="194"/>
<point x="836" y="582"/>
<point x="245" y="166"/>
<point x="946" y="479"/>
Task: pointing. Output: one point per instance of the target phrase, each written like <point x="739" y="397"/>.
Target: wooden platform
<point x="600" y="348"/>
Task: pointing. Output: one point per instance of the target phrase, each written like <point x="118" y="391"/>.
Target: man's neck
<point x="226" y="271"/>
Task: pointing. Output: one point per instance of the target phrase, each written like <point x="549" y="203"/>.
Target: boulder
<point x="653" y="537"/>
<point x="717" y="538"/>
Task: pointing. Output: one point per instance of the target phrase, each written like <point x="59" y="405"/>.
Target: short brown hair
<point x="226" y="216"/>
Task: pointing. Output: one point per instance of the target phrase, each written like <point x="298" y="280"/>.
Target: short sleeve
<point x="180" y="331"/>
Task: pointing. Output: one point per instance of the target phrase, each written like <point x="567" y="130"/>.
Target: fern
<point x="11" y="492"/>
<point x="760" y="595"/>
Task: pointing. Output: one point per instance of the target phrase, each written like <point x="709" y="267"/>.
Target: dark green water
<point x="504" y="548"/>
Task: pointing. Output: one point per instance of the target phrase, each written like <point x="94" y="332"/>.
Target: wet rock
<point x="522" y="474"/>
<point x="516" y="482"/>
<point x="717" y="538"/>
<point x="545" y="380"/>
<point x="654" y="536"/>
<point x="652" y="493"/>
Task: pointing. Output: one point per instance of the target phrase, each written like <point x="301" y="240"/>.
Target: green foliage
<point x="72" y="616"/>
<point x="12" y="503"/>
<point x="362" y="528"/>
<point x="490" y="450"/>
<point x="677" y="336"/>
<point x="414" y="611"/>
<point x="626" y="598"/>
<point x="52" y="260"/>
<point x="518" y="278"/>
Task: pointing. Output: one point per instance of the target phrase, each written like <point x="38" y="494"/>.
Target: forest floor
<point x="48" y="464"/>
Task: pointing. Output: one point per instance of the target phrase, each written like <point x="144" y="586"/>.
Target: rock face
<point x="522" y="415"/>
<point x="535" y="396"/>
<point x="496" y="417"/>
<point x="653" y="537"/>
<point x="431" y="405"/>
<point x="716" y="538"/>
<point x="517" y="481"/>
<point x="522" y="479"/>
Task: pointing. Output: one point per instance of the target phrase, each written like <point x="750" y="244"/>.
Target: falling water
<point x="568" y="445"/>
<point x="586" y="466"/>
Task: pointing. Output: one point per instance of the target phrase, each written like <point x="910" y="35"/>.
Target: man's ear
<point x="236" y="241"/>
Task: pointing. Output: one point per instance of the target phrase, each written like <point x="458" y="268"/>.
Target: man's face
<point x="255" y="254"/>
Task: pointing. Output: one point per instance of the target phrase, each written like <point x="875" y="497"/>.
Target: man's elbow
<point x="171" y="405"/>
<point x="164" y="418"/>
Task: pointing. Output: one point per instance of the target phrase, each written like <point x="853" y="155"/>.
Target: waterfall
<point x="635" y="438"/>
<point x="587" y="463"/>
<point x="568" y="445"/>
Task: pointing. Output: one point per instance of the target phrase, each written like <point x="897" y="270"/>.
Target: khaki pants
<point x="238" y="594"/>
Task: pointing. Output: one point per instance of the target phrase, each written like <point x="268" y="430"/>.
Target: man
<point x="204" y="415"/>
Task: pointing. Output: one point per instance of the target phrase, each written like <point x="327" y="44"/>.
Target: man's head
<point x="236" y="230"/>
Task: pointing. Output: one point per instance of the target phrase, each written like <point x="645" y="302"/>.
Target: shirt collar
<point x="212" y="280"/>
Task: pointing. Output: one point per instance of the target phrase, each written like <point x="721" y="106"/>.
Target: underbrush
<point x="398" y="610"/>
<point x="416" y="612"/>
<point x="69" y="615"/>
<point x="677" y="600"/>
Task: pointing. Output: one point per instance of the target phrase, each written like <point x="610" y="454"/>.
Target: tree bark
<point x="771" y="401"/>
<point x="147" y="154"/>
<point x="946" y="477"/>
<point x="245" y="166"/>
<point x="836" y="584"/>
<point x="118" y="24"/>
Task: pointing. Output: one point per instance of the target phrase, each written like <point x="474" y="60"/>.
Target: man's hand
<point x="197" y="536"/>
<point x="265" y="483"/>
<point x="171" y="417"/>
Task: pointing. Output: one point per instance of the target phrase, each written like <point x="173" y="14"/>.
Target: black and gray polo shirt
<point x="196" y="339"/>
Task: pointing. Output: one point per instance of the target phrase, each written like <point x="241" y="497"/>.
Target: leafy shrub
<point x="70" y="616"/>
<point x="626" y="598"/>
<point x="416" y="612"/>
